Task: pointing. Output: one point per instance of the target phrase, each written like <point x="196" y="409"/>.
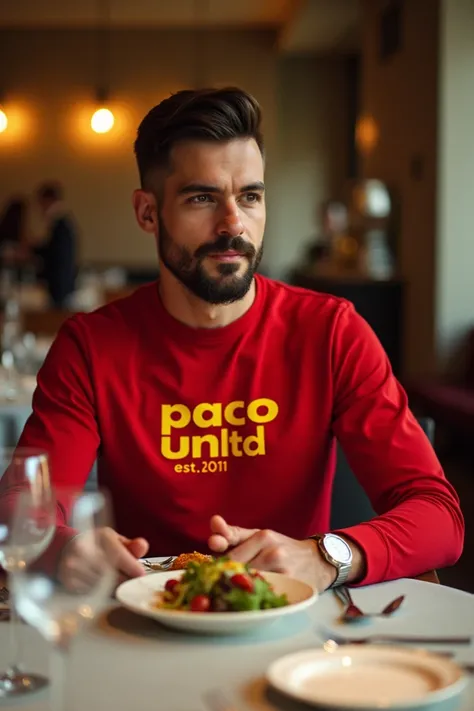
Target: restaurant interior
<point x="368" y="110"/>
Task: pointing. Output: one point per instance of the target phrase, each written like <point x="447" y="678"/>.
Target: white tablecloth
<point x="130" y="663"/>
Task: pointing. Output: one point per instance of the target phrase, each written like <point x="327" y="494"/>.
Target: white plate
<point x="138" y="595"/>
<point x="355" y="678"/>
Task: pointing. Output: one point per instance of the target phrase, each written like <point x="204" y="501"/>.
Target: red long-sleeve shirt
<point x="242" y="421"/>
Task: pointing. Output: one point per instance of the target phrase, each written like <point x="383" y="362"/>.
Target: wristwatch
<point x="338" y="553"/>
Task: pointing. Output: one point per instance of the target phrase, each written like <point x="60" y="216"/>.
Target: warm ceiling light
<point x="3" y="121"/>
<point x="102" y="121"/>
<point x="367" y="134"/>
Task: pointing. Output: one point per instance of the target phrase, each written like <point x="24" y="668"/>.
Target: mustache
<point x="226" y="244"/>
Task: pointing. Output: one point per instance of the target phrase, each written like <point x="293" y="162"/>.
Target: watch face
<point x="338" y="548"/>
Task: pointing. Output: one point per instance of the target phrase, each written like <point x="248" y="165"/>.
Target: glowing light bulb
<point x="102" y="121"/>
<point x="367" y="134"/>
<point x="3" y="121"/>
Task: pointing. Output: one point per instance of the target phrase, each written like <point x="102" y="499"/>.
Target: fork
<point x="353" y="613"/>
<point x="164" y="565"/>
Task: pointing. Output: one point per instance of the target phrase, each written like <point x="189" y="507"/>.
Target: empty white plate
<point x="139" y="594"/>
<point x="364" y="678"/>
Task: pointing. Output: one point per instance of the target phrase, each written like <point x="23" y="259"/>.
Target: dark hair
<point x="50" y="191"/>
<point x="12" y="221"/>
<point x="204" y="114"/>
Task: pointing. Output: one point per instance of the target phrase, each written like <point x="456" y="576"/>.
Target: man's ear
<point x="146" y="212"/>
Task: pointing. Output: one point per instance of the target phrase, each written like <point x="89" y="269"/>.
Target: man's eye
<point x="253" y="197"/>
<point x="199" y="199"/>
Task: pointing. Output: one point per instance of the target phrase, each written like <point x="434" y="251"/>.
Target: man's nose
<point x="231" y="223"/>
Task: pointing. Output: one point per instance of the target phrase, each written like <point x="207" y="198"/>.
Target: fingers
<point x="272" y="559"/>
<point x="83" y="561"/>
<point x="225" y="536"/>
<point x="77" y="574"/>
<point x="138" y="547"/>
<point x="125" y="560"/>
<point x="254" y="546"/>
<point x="218" y="544"/>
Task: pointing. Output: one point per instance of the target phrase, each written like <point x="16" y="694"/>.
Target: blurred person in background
<point x="13" y="222"/>
<point x="334" y="220"/>
<point x="59" y="249"/>
<point x="13" y="231"/>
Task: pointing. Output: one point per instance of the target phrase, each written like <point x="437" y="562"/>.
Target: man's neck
<point x="196" y="313"/>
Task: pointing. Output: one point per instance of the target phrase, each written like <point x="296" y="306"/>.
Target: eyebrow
<point x="258" y="186"/>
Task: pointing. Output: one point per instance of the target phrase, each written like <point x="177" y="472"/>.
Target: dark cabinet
<point x="379" y="302"/>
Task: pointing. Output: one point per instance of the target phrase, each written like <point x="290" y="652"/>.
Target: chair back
<point x="350" y="504"/>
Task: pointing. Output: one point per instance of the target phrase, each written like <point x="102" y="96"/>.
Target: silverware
<point x="392" y="606"/>
<point x="4" y="596"/>
<point x="397" y="639"/>
<point x="164" y="565"/>
<point x="353" y="613"/>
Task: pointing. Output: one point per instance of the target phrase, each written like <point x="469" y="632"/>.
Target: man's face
<point x="212" y="217"/>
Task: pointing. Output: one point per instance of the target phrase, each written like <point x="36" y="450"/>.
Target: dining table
<point x="125" y="661"/>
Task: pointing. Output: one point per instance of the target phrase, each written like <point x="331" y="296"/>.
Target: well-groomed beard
<point x="189" y="268"/>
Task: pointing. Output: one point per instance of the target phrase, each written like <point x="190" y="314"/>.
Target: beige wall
<point x="51" y="77"/>
<point x="455" y="270"/>
<point x="311" y="152"/>
<point x="401" y="95"/>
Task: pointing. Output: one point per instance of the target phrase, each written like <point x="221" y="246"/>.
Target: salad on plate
<point x="219" y="585"/>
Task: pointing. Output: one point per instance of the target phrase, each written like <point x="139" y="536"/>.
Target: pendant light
<point x="201" y="27"/>
<point x="3" y="120"/>
<point x="3" y="113"/>
<point x="103" y="120"/>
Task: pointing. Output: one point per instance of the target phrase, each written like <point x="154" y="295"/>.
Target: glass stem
<point x="59" y="664"/>
<point x="15" y="646"/>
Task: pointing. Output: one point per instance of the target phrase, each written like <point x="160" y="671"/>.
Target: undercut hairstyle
<point x="214" y="115"/>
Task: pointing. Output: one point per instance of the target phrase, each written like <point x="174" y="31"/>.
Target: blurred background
<point x="368" y="119"/>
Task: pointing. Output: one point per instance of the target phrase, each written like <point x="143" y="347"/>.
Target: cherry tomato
<point x="170" y="585"/>
<point x="243" y="582"/>
<point x="200" y="603"/>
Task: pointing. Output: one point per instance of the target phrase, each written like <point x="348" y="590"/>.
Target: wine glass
<point x="60" y="602"/>
<point x="24" y="470"/>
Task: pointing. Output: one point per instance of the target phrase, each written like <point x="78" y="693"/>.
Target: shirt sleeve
<point x="63" y="424"/>
<point x="419" y="525"/>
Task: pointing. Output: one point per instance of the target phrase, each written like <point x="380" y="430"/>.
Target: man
<point x="59" y="250"/>
<point x="214" y="396"/>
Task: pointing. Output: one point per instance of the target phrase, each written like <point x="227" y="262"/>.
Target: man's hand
<point x="268" y="550"/>
<point x="78" y="568"/>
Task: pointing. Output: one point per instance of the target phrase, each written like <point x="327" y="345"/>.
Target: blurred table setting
<point x="88" y="644"/>
<point x="125" y="660"/>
